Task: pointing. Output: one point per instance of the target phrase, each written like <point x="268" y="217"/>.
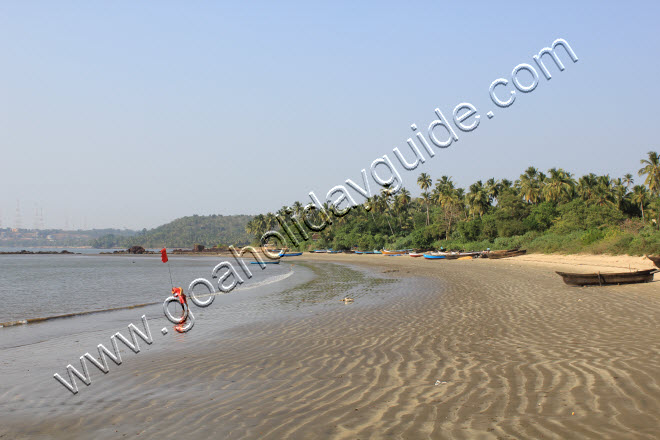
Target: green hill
<point x="208" y="230"/>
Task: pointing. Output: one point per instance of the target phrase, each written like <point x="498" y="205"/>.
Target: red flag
<point x="163" y="255"/>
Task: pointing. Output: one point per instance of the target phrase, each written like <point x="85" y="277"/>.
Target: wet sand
<point x="486" y="349"/>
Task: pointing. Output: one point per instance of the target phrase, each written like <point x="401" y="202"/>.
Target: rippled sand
<point x="489" y="349"/>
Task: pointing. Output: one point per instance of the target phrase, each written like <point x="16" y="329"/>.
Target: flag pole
<point x="164" y="259"/>
<point x="170" y="270"/>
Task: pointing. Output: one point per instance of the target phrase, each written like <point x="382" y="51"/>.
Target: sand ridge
<point x="486" y="349"/>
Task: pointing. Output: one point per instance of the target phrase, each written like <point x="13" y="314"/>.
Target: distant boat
<point x="386" y="252"/>
<point x="293" y="254"/>
<point x="394" y="255"/>
<point x="330" y="251"/>
<point x="603" y="279"/>
<point x="359" y="252"/>
<point x="319" y="251"/>
<point x="434" y="257"/>
<point x="377" y="252"/>
<point x="496" y="255"/>
<point x="265" y="262"/>
<point x="413" y="254"/>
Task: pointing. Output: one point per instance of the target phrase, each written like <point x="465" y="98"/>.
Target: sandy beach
<point x="481" y="349"/>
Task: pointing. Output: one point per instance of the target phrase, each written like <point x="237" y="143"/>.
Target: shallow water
<point x="32" y="353"/>
<point x="38" y="286"/>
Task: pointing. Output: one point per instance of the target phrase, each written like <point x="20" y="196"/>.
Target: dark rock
<point x="136" y="250"/>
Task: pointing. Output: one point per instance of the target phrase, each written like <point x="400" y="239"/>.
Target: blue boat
<point x="293" y="254"/>
<point x="265" y="262"/>
<point x="434" y="257"/>
<point x="393" y="255"/>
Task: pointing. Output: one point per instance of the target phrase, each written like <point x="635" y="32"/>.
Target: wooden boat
<point x="292" y="254"/>
<point x="434" y="257"/>
<point x="603" y="279"/>
<point x="496" y="255"/>
<point x="386" y="252"/>
<point x="467" y="257"/>
<point x="319" y="251"/>
<point x="415" y="255"/>
<point x="655" y="259"/>
<point x="265" y="262"/>
<point x="468" y="254"/>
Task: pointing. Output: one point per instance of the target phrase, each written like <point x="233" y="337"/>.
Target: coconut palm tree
<point x="559" y="186"/>
<point x="628" y="180"/>
<point x="492" y="189"/>
<point x="424" y="181"/>
<point x="640" y="196"/>
<point x="530" y="186"/>
<point x="477" y="199"/>
<point x="451" y="201"/>
<point x="651" y="170"/>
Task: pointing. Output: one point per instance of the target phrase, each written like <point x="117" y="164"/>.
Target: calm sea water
<point x="36" y="286"/>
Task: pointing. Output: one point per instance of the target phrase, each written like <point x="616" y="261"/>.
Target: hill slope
<point x="209" y="230"/>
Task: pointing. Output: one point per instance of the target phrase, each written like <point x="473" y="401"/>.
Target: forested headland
<point x="207" y="230"/>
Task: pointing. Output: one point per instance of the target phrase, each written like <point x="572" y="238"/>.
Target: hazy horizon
<point x="124" y="115"/>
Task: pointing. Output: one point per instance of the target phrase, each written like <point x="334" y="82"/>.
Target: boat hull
<point x="496" y="255"/>
<point x="655" y="259"/>
<point x="604" y="279"/>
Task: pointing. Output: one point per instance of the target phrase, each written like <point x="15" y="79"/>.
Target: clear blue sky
<point x="131" y="114"/>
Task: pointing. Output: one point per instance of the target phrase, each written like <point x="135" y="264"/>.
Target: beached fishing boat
<point x="496" y="255"/>
<point x="603" y="279"/>
<point x="319" y="251"/>
<point x="434" y="257"/>
<point x="415" y="255"/>
<point x="292" y="254"/>
<point x="655" y="259"/>
<point x="386" y="252"/>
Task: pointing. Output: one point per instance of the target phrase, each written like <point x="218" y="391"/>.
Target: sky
<point x="131" y="114"/>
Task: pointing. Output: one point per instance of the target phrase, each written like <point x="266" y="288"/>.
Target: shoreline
<point x="485" y="349"/>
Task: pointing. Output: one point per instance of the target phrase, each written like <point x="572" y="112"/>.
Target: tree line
<point x="549" y="211"/>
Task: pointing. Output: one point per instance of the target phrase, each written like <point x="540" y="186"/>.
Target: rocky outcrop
<point x="136" y="250"/>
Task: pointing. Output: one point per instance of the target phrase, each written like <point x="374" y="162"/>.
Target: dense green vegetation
<point x="551" y="212"/>
<point x="209" y="230"/>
